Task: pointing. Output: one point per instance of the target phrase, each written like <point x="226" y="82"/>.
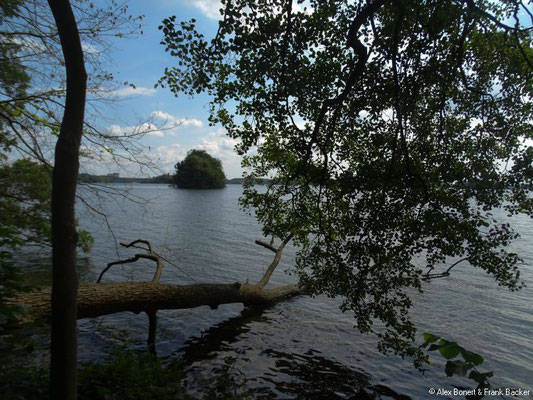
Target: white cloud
<point x="133" y="91"/>
<point x="144" y="128"/>
<point x="172" y="119"/>
<point x="301" y="124"/>
<point x="210" y="8"/>
<point x="115" y="130"/>
<point x="89" y="48"/>
<point x="168" y="156"/>
<point x="222" y="147"/>
<point x="387" y="114"/>
<point x="475" y="122"/>
<point x="160" y="124"/>
<point x="217" y="143"/>
<point x="28" y="43"/>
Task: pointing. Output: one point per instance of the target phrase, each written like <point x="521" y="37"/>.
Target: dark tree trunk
<point x="63" y="352"/>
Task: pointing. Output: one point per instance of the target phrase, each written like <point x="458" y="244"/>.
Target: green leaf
<point x="434" y="347"/>
<point x="480" y="377"/>
<point x="429" y="338"/>
<point x="474" y="358"/>
<point x="449" y="350"/>
<point x="457" y="367"/>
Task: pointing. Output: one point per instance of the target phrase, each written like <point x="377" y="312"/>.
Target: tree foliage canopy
<point x="199" y="170"/>
<point x="391" y="128"/>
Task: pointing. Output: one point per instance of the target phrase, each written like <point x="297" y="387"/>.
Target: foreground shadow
<point x="220" y="337"/>
<point x="293" y="376"/>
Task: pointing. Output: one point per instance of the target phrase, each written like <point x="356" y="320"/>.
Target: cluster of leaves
<point x="127" y="375"/>
<point x="229" y="383"/>
<point x="20" y="383"/>
<point x="199" y="170"/>
<point x="391" y="130"/>
<point x="466" y="366"/>
<point x="25" y="195"/>
<point x="131" y="376"/>
<point x="24" y="203"/>
<point x="15" y="340"/>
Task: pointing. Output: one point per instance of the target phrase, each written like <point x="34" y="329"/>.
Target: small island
<point x="199" y="170"/>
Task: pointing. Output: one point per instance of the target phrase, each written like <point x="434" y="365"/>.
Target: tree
<point x="199" y="170"/>
<point x="391" y="129"/>
<point x="63" y="347"/>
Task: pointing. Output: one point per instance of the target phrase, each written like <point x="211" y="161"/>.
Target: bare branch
<point x="150" y="256"/>
<point x="132" y="244"/>
<point x="455" y="263"/>
<point x="270" y="270"/>
<point x="266" y="245"/>
<point x="427" y="276"/>
<point x="109" y="265"/>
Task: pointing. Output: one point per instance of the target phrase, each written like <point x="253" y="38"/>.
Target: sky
<point x="141" y="60"/>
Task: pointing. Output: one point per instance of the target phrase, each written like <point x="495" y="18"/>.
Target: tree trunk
<point x="63" y="347"/>
<point x="96" y="299"/>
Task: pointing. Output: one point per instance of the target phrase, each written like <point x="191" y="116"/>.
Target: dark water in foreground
<point x="302" y="348"/>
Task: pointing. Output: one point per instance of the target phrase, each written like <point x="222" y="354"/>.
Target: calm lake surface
<point x="304" y="347"/>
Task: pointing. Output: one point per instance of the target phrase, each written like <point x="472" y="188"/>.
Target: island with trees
<point x="199" y="170"/>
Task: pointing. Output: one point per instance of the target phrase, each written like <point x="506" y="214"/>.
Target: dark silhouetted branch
<point x="150" y="256"/>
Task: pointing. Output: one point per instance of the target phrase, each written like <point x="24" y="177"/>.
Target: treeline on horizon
<point x="168" y="179"/>
<point x="165" y="178"/>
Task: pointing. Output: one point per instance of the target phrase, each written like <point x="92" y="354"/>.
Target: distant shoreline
<point x="165" y="178"/>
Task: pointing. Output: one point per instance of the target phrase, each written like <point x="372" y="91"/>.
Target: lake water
<point x="304" y="347"/>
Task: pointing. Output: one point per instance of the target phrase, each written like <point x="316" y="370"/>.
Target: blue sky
<point x="141" y="60"/>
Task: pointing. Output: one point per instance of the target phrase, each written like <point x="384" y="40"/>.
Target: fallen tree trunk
<point x="96" y="299"/>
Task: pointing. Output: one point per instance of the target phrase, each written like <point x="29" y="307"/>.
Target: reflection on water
<point x="293" y="375"/>
<point x="220" y="336"/>
<point x="302" y="348"/>
<point x="313" y="375"/>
